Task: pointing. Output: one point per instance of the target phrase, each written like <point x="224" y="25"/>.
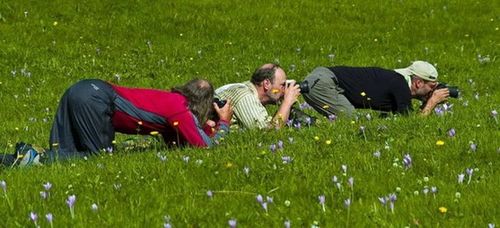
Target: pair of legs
<point x="82" y="126"/>
<point x="325" y="95"/>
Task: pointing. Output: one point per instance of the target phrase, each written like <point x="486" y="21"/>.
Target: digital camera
<point x="220" y="103"/>
<point x="454" y="92"/>
<point x="303" y="86"/>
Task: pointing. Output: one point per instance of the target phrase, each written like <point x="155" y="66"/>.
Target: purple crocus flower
<point x="473" y="147"/>
<point x="272" y="147"/>
<point x="47" y="186"/>
<point x="264" y="206"/>
<point x="94" y="207"/>
<point x="469" y="171"/>
<point x="3" y="185"/>
<point x="286" y="159"/>
<point x="280" y="144"/>
<point x="392" y="199"/>
<point x="259" y="198"/>
<point x="308" y="121"/>
<point x="287" y="224"/>
<point x="335" y="179"/>
<point x="425" y="191"/>
<point x="49" y="218"/>
<point x="71" y="203"/>
<point x="344" y="168"/>
<point x="269" y="199"/>
<point x="167" y="225"/>
<point x="491" y="225"/>
<point x="321" y="200"/>
<point x="210" y="194"/>
<point x="33" y="216"/>
<point x="43" y="194"/>
<point x="383" y="200"/>
<point x="246" y="170"/>
<point x="494" y="113"/>
<point x="347" y="202"/>
<point x="297" y="125"/>
<point x="350" y="182"/>
<point x="439" y="111"/>
<point x="460" y="178"/>
<point x="289" y="123"/>
<point x="451" y="132"/>
<point x="332" y="117"/>
<point x="304" y="105"/>
<point x="434" y="189"/>
<point x="232" y="223"/>
<point x="407" y="161"/>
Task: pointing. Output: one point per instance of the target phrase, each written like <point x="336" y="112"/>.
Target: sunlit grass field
<point x="339" y="173"/>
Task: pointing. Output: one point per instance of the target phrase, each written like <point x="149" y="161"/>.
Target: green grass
<point x="165" y="43"/>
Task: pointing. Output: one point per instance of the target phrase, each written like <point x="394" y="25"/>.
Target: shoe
<point x="27" y="155"/>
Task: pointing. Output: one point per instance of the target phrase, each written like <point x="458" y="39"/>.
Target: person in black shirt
<point x="340" y="90"/>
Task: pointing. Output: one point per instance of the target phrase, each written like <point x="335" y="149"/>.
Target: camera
<point x="303" y="86"/>
<point x="454" y="92"/>
<point x="220" y="103"/>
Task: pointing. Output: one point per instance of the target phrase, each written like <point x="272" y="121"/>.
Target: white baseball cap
<point x="421" y="69"/>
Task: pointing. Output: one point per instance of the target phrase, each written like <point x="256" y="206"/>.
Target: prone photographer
<point x="339" y="90"/>
<point x="267" y="86"/>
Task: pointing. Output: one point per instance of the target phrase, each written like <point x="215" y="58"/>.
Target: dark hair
<point x="200" y="94"/>
<point x="264" y="72"/>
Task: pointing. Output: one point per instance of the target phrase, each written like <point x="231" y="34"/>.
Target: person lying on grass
<point x="339" y="90"/>
<point x="92" y="110"/>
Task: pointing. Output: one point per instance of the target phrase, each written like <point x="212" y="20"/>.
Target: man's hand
<point x="291" y="93"/>
<point x="437" y="97"/>
<point x="226" y="112"/>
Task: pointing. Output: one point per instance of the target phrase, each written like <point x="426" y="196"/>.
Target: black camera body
<point x="220" y="103"/>
<point x="454" y="91"/>
<point x="303" y="86"/>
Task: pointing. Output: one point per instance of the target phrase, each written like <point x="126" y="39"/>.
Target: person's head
<point x="200" y="94"/>
<point x="423" y="78"/>
<point x="270" y="79"/>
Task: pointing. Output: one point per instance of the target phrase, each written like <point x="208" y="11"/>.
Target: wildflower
<point x="344" y="168"/>
<point x="272" y="147"/>
<point x="383" y="200"/>
<point x="232" y="223"/>
<point x="185" y="158"/>
<point x="440" y="142"/>
<point x="3" y="185"/>
<point x="350" y="182"/>
<point x="491" y="225"/>
<point x="392" y="199"/>
<point x="332" y="117"/>
<point x="269" y="199"/>
<point x="43" y="195"/>
<point x="334" y="179"/>
<point x="328" y="142"/>
<point x="290" y="139"/>
<point x="407" y="161"/>
<point x="139" y="122"/>
<point x="347" y="202"/>
<point x="34" y="217"/>
<point x="451" y="132"/>
<point x="473" y="147"/>
<point x="469" y="172"/>
<point x="246" y="170"/>
<point x="94" y="207"/>
<point x="286" y="159"/>
<point x="71" y="203"/>
<point x="376" y="154"/>
<point x="458" y="195"/>
<point x="443" y="210"/>
<point x="259" y="198"/>
<point x="49" y="218"/>
<point x="47" y="186"/>
<point x="434" y="189"/>
<point x="154" y="133"/>
<point x="321" y="200"/>
<point x="363" y="94"/>
<point x="494" y="113"/>
<point x="368" y="116"/>
<point x="175" y="123"/>
<point x="280" y="144"/>
<point x="287" y="203"/>
<point x="316" y="138"/>
<point x="287" y="224"/>
<point x="425" y="191"/>
<point x="460" y="178"/>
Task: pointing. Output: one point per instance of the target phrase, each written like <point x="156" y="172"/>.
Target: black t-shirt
<point x="383" y="89"/>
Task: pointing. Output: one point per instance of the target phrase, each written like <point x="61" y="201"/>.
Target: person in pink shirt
<point x="92" y="110"/>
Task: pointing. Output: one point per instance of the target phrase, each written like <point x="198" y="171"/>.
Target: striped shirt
<point x="248" y="110"/>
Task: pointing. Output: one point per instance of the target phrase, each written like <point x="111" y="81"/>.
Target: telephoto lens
<point x="303" y="86"/>
<point x="453" y="90"/>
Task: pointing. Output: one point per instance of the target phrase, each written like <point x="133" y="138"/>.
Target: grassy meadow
<point x="339" y="173"/>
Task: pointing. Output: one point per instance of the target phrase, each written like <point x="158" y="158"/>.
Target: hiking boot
<point x="27" y="155"/>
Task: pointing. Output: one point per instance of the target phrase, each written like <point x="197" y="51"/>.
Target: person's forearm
<point x="282" y="115"/>
<point x="429" y="106"/>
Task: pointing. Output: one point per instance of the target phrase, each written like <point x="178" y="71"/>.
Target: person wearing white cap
<point x="339" y="90"/>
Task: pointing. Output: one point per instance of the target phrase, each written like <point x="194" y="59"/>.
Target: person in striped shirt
<point x="267" y="86"/>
